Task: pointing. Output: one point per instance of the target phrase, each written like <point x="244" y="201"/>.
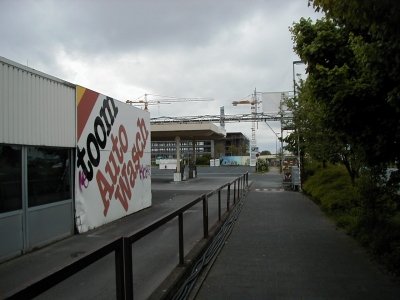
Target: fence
<point x="122" y="246"/>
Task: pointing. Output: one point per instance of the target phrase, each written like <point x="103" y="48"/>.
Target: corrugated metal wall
<point x="35" y="109"/>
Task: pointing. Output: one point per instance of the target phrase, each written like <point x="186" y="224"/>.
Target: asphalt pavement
<point x="98" y="280"/>
<point x="283" y="247"/>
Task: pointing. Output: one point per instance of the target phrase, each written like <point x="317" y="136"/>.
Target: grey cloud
<point x="186" y="48"/>
<point x="120" y="26"/>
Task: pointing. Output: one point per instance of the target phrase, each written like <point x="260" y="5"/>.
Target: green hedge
<point x="262" y="165"/>
<point x="367" y="211"/>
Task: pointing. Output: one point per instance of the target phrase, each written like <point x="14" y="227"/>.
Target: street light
<point x="297" y="62"/>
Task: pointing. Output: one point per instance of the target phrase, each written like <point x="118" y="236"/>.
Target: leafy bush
<point x="369" y="211"/>
<point x="203" y="160"/>
<point x="332" y="189"/>
<point x="262" y="165"/>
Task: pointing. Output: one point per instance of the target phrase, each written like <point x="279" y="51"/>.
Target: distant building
<point x="236" y="144"/>
<point x="56" y="141"/>
<point x="167" y="149"/>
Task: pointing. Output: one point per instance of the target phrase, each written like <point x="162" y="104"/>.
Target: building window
<point x="10" y="178"/>
<point x="49" y="177"/>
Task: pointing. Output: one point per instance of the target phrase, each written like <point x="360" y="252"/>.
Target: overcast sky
<point x="182" y="48"/>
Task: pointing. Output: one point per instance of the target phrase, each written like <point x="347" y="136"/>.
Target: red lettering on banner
<point x="122" y="175"/>
<point x="132" y="174"/>
<point x="106" y="190"/>
<point x="135" y="159"/>
<point x="143" y="130"/>
<point x="123" y="192"/>
<point x="123" y="139"/>
<point x="117" y="150"/>
<point x="114" y="173"/>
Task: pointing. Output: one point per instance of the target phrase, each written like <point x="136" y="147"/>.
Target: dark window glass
<point x="48" y="175"/>
<point x="10" y="178"/>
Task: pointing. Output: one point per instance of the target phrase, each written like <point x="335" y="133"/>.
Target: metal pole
<point x="128" y="269"/>
<point x="181" y="245"/>
<point x="119" y="270"/>
<point x="298" y="130"/>
<point x="219" y="205"/>
<point x="228" y="197"/>
<point x="234" y="192"/>
<point x="205" y="216"/>
<point x="178" y="154"/>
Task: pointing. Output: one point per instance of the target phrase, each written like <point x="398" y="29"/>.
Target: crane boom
<point x="158" y="99"/>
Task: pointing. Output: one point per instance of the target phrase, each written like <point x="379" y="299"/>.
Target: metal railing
<point x="122" y="246"/>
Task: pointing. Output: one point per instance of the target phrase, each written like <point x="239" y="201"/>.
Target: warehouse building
<point x="69" y="159"/>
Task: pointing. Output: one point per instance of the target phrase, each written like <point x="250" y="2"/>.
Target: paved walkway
<point x="167" y="197"/>
<point x="283" y="247"/>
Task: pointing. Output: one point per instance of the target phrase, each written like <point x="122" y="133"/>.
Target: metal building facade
<point x="37" y="142"/>
<point x="35" y="108"/>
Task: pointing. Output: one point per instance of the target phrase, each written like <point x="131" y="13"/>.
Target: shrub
<point x="262" y="165"/>
<point x="369" y="211"/>
<point x="332" y="189"/>
<point x="203" y="160"/>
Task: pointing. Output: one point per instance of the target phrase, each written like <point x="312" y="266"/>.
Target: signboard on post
<point x="166" y="164"/>
<point x="113" y="173"/>
<point x="253" y="157"/>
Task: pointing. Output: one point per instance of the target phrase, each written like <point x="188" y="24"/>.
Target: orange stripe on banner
<point x="80" y="90"/>
<point x="85" y="106"/>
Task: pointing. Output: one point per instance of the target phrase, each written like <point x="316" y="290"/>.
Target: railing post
<point x="205" y="216"/>
<point x="239" y="182"/>
<point x="128" y="269"/>
<point x="228" y="197"/>
<point x="240" y="188"/>
<point x="219" y="205"/>
<point x="119" y="270"/>
<point x="243" y="181"/>
<point x="181" y="245"/>
<point x="234" y="192"/>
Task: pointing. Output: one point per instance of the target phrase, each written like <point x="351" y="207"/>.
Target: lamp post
<point x="276" y="142"/>
<point x="297" y="62"/>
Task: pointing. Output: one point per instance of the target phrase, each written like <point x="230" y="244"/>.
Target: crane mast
<point x="253" y="109"/>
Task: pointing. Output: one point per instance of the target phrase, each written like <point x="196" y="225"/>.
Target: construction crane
<point x="159" y="99"/>
<point x="253" y="143"/>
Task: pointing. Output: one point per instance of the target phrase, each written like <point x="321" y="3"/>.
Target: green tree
<point x="350" y="97"/>
<point x="219" y="150"/>
<point x="316" y="139"/>
<point x="265" y="152"/>
<point x="348" y="109"/>
<point x="234" y="150"/>
<point x="369" y="92"/>
<point x="243" y="149"/>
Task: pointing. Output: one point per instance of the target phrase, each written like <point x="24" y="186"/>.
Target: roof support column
<point x="194" y="152"/>
<point x="178" y="154"/>
<point x="192" y="164"/>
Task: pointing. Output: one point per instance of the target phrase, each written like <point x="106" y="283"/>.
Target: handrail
<point x="54" y="277"/>
<point x="122" y="247"/>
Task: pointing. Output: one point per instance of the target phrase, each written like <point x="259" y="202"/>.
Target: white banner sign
<point x="113" y="171"/>
<point x="271" y="102"/>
